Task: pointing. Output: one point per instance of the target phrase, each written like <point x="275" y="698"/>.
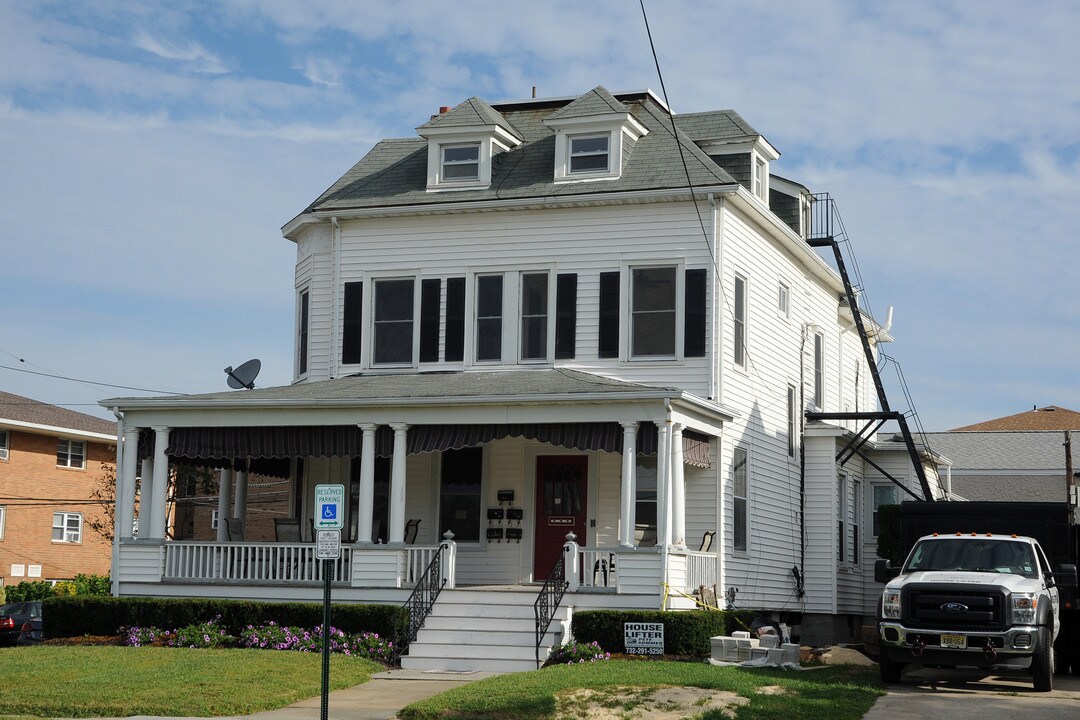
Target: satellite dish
<point x="244" y="376"/>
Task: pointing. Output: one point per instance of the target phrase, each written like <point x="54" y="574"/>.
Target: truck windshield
<point x="973" y="555"/>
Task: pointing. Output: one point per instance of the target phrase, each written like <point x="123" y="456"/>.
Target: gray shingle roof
<point x="394" y="173"/>
<point x="471" y="113"/>
<point x="715" y="125"/>
<point x="22" y="409"/>
<point x="1001" y="451"/>
<point x="475" y="387"/>
<point x="597" y="101"/>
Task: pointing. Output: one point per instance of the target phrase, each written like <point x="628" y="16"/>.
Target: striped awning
<point x="234" y="446"/>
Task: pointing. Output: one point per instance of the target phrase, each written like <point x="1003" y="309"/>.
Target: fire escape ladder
<point x="826" y="228"/>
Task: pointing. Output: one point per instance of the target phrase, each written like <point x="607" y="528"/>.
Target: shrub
<point x="97" y="585"/>
<point x="685" y="633"/>
<point x="64" y="587"/>
<point x="577" y="652"/>
<point x="204" y="635"/>
<point x="30" y="590"/>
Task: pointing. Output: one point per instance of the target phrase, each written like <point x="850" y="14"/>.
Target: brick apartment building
<point x="51" y="461"/>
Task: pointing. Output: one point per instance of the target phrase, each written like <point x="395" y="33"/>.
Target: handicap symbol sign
<point x="329" y="512"/>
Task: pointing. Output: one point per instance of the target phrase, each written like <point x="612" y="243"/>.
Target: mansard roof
<point x="394" y="173"/>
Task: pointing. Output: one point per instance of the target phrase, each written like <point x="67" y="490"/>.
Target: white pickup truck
<point x="979" y="600"/>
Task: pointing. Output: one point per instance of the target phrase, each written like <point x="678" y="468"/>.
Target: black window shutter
<point x="694" y="318"/>
<point x="565" y="316"/>
<point x="352" y="323"/>
<point x="609" y="315"/>
<point x="455" y="319"/>
<point x="430" y="289"/>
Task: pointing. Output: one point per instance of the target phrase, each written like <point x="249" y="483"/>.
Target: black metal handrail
<point x="420" y="602"/>
<point x="547" y="602"/>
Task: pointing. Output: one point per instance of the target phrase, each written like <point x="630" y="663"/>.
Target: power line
<point x="90" y="382"/>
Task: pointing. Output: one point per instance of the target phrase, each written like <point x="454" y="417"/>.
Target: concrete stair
<point x="482" y="630"/>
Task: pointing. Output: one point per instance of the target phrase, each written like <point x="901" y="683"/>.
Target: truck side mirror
<point x="1065" y="577"/>
<point x="884" y="571"/>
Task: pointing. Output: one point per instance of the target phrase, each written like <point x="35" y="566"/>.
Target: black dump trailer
<point x="1053" y="525"/>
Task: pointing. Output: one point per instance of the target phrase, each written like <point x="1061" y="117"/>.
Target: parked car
<point x="12" y="618"/>
<point x="31" y="632"/>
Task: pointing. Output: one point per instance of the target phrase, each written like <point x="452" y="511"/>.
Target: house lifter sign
<point x="643" y="638"/>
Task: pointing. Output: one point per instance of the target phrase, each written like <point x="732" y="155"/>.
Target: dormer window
<point x="589" y="153"/>
<point x="761" y="178"/>
<point x="461" y="163"/>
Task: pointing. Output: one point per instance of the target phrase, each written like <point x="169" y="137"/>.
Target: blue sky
<point x="151" y="151"/>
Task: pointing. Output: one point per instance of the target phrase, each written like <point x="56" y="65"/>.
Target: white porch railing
<point x="700" y="570"/>
<point x="253" y="562"/>
<point x="637" y="569"/>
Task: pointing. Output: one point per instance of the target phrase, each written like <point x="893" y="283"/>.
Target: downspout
<point x="719" y="213"/>
<point x="802" y="455"/>
<point x="114" y="574"/>
<point x="335" y="300"/>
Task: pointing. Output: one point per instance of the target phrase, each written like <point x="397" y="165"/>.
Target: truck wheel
<point x="890" y="669"/>
<point x="1042" y="666"/>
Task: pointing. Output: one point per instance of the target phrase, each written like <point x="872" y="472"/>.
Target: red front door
<point x="561" y="492"/>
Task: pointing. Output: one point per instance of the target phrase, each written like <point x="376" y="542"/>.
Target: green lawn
<point x="112" y="681"/>
<point x="835" y="693"/>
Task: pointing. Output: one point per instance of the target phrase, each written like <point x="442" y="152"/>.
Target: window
<point x="489" y="317"/>
<point x="213" y="519"/>
<point x="819" y="371"/>
<point x="883" y="495"/>
<point x="653" y="312"/>
<point x="645" y="504"/>
<point x="352" y="323"/>
<point x="694" y="320"/>
<point x="740" y="526"/>
<point x="3" y="520"/>
<point x="856" y="512"/>
<point x="71" y="453"/>
<point x="534" y="316"/>
<point x="459" y="493"/>
<point x="792" y="420"/>
<point x="783" y="299"/>
<point x="841" y="517"/>
<point x="740" y="321"/>
<point x="430" y="299"/>
<point x="461" y="163"/>
<point x="589" y="153"/>
<point x="454" y="346"/>
<point x="393" y="322"/>
<point x="302" y="334"/>
<point x="761" y="186"/>
<point x="67" y="527"/>
<point x="3" y="444"/>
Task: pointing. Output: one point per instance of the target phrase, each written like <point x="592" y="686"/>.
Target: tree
<point x="183" y="481"/>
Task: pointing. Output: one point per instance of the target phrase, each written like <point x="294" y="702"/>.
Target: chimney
<point x="443" y="109"/>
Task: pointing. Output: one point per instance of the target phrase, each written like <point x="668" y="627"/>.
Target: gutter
<point x="57" y="430"/>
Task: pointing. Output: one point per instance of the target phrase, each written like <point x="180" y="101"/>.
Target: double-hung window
<point x="653" y="310"/>
<point x="589" y="153"/>
<point x="3" y="444"/>
<point x="739" y="321"/>
<point x="740" y="504"/>
<point x="783" y="299"/>
<point x="3" y="520"/>
<point x="71" y="453"/>
<point x="489" y="318"/>
<point x="534" y="316"/>
<point x="461" y="163"/>
<point x="819" y="371"/>
<point x="302" y="333"/>
<point x="760" y="184"/>
<point x="67" y="527"/>
<point x="883" y="495"/>
<point x="645" y="503"/>
<point x="393" y="320"/>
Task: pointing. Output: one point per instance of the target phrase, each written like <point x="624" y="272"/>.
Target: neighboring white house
<point x="542" y="317"/>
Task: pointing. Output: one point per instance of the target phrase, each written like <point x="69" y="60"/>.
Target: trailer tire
<point x="1042" y="665"/>
<point x="890" y="669"/>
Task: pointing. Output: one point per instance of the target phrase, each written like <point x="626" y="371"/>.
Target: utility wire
<point x="90" y="382"/>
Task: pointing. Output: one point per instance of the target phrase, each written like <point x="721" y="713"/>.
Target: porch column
<point x="628" y="507"/>
<point x="146" y="495"/>
<point x="240" y="497"/>
<point x="161" y="484"/>
<point x="225" y="481"/>
<point x="678" y="488"/>
<point x="397" y="485"/>
<point x="663" y="484"/>
<point x="365" y="504"/>
<point x="125" y="483"/>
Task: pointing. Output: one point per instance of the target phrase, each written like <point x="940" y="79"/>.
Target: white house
<point x="537" y="318"/>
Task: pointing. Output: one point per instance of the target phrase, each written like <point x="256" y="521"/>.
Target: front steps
<point x="483" y="630"/>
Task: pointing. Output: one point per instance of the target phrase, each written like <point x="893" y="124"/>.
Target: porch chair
<point x="411" y="528"/>
<point x="706" y="541"/>
<point x="234" y="529"/>
<point x="287" y="530"/>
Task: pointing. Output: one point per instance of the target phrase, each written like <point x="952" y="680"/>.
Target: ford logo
<point x="954" y="607"/>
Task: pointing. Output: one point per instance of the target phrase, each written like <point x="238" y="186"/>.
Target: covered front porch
<point x="495" y="474"/>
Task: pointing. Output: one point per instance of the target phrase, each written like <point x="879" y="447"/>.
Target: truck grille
<point x="985" y="609"/>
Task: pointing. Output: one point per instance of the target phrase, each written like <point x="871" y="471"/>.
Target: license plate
<point x="958" y="642"/>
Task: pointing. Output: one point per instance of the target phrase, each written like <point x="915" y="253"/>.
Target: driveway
<point x="976" y="695"/>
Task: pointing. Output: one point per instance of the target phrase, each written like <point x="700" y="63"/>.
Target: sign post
<point x="329" y="519"/>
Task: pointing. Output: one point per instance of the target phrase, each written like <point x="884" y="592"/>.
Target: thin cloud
<point x="191" y="53"/>
<point x="321" y="71"/>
